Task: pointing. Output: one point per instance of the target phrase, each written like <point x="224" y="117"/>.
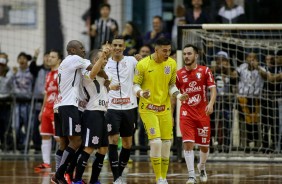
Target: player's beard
<point x="189" y="64"/>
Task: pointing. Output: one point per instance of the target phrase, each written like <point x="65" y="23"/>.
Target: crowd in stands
<point x="256" y="83"/>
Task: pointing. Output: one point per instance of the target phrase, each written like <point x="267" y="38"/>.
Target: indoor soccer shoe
<point x="77" y="182"/>
<point x="56" y="180"/>
<point x="68" y="178"/>
<point x="191" y="180"/>
<point x="43" y="167"/>
<point x="203" y="174"/>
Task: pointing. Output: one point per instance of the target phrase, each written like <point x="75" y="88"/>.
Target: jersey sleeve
<point x="173" y="74"/>
<point x="210" y="79"/>
<point x="81" y="63"/>
<point x="177" y="82"/>
<point x="139" y="74"/>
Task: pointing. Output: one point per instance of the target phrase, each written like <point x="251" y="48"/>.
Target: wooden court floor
<point x="18" y="170"/>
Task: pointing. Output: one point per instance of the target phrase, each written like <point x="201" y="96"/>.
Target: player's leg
<point x="126" y="132"/>
<point x="151" y="124"/>
<point x="72" y="128"/>
<point x="188" y="131"/>
<point x="203" y="139"/>
<point x="113" y="119"/>
<point x="166" y="137"/>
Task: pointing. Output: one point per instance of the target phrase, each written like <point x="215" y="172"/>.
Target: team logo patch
<point x="152" y="131"/>
<point x="77" y="128"/>
<point x="109" y="126"/>
<point x="198" y="75"/>
<point x="167" y="70"/>
<point x="95" y="140"/>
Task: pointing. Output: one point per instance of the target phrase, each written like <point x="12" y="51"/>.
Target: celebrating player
<point x="122" y="107"/>
<point x="194" y="80"/>
<point x="154" y="83"/>
<point x="46" y="115"/>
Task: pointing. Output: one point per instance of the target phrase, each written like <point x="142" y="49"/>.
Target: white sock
<point x="189" y="158"/>
<point x="203" y="159"/>
<point x="46" y="150"/>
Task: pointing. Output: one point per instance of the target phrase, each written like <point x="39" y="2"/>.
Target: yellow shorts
<point x="157" y="126"/>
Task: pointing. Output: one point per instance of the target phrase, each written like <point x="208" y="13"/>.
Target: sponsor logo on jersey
<point x="152" y="131"/>
<point x="203" y="132"/>
<point x="155" y="107"/>
<point x="193" y="88"/>
<point x="185" y="80"/>
<point x="192" y="84"/>
<point x="52" y="97"/>
<point x="167" y="70"/>
<point x="77" y="128"/>
<point x="121" y="101"/>
<point x="194" y="100"/>
<point x="95" y="140"/>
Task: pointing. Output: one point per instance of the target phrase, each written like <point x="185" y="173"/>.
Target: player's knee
<point x="156" y="147"/>
<point x="113" y="139"/>
<point x="127" y="142"/>
<point x="88" y="150"/>
<point x="166" y="144"/>
<point x="188" y="146"/>
<point x="204" y="149"/>
<point x="103" y="150"/>
<point x="75" y="142"/>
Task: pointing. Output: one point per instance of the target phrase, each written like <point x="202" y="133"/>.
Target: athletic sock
<point x="81" y="164"/>
<point x="203" y="159"/>
<point x="66" y="159"/>
<point x="157" y="167"/>
<point x="165" y="163"/>
<point x="123" y="159"/>
<point x="58" y="158"/>
<point x="74" y="161"/>
<point x="97" y="167"/>
<point x="189" y="159"/>
<point x="46" y="150"/>
<point x="113" y="158"/>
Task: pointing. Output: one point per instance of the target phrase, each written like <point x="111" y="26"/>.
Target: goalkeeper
<point x="154" y="84"/>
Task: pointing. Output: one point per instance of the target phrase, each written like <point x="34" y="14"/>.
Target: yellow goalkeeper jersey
<point x="156" y="77"/>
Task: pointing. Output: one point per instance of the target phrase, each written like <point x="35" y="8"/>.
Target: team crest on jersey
<point x="109" y="126"/>
<point x="152" y="131"/>
<point x="198" y="75"/>
<point x="167" y="70"/>
<point x="77" y="128"/>
<point x="95" y="140"/>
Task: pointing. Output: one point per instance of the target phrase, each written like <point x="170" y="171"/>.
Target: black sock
<point x="123" y="159"/>
<point x="81" y="164"/>
<point x="113" y="158"/>
<point x="73" y="163"/>
<point x="58" y="158"/>
<point x="66" y="159"/>
<point x="97" y="167"/>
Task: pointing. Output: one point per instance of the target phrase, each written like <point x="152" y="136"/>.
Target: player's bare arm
<point x="209" y="108"/>
<point x="141" y="93"/>
<point x="175" y="93"/>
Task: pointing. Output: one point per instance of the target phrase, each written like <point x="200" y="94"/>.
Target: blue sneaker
<point x="97" y="182"/>
<point x="77" y="182"/>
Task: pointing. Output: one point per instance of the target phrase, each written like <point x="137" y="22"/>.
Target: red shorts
<point x="197" y="131"/>
<point x="47" y="122"/>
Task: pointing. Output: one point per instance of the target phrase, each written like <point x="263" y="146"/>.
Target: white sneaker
<point x="164" y="181"/>
<point x="119" y="181"/>
<point x="160" y="181"/>
<point x="203" y="174"/>
<point x="191" y="180"/>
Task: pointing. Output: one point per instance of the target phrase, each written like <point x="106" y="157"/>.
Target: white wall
<point x="14" y="39"/>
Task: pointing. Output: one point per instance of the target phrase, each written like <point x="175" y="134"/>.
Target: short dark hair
<point x="59" y="53"/>
<point x="196" y="49"/>
<point x="158" y="17"/>
<point x="27" y="56"/>
<point x="119" y="37"/>
<point x="104" y="5"/>
<point x="162" y="41"/>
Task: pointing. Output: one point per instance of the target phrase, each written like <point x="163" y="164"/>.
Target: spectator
<point x="39" y="73"/>
<point x="132" y="38"/>
<point x="5" y="101"/>
<point x="178" y="20"/>
<point x="197" y="14"/>
<point x="22" y="89"/>
<point x="145" y="51"/>
<point x="271" y="94"/>
<point x="156" y="33"/>
<point x="250" y="87"/>
<point x="230" y="13"/>
<point x="223" y="107"/>
<point x="105" y="28"/>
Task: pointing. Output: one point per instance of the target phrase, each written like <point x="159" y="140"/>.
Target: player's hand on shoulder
<point x="138" y="57"/>
<point x="107" y="83"/>
<point x="115" y="87"/>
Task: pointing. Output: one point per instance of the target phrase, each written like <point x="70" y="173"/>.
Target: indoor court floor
<point x="19" y="170"/>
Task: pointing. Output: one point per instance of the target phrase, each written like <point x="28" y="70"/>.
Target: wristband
<point x="141" y="93"/>
<point x="179" y="96"/>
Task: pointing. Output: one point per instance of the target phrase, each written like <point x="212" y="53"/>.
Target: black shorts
<point x="58" y="125"/>
<point x="94" y="129"/>
<point x="121" y="122"/>
<point x="70" y="120"/>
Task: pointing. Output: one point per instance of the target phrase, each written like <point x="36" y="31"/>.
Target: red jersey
<point x="195" y="83"/>
<point x="51" y="88"/>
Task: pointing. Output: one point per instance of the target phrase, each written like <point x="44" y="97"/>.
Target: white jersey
<point x="69" y="76"/>
<point x="122" y="73"/>
<point x="95" y="92"/>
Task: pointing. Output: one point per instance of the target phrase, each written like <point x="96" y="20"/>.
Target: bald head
<point x="75" y="47"/>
